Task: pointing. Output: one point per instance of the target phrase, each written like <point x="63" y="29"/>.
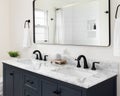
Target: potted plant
<point x="13" y="54"/>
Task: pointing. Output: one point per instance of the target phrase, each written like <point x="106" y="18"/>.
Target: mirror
<point x="71" y="22"/>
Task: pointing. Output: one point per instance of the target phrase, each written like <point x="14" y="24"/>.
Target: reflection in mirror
<point x="73" y="22"/>
<point x="41" y="25"/>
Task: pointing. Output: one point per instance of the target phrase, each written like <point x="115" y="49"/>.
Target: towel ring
<point x="28" y="22"/>
<point x="116" y="14"/>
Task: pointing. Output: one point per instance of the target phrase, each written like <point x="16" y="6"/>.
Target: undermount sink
<point x="78" y="73"/>
<point x="36" y="64"/>
<point x="29" y="61"/>
<point x="25" y="61"/>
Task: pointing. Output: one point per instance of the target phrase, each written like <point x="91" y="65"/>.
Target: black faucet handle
<point x="45" y="57"/>
<point x="93" y="65"/>
<point x="78" y="63"/>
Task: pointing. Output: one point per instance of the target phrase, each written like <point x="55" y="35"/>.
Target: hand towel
<point x="26" y="38"/>
<point x="116" y="49"/>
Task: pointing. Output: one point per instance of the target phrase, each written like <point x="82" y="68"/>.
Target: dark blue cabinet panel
<point x="48" y="88"/>
<point x="29" y="92"/>
<point x="31" y="81"/>
<point x="12" y="81"/>
<point x="8" y="82"/>
<point x="106" y="88"/>
<point x="17" y="83"/>
<point x="66" y="91"/>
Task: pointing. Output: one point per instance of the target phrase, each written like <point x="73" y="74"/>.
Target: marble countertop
<point x="69" y="73"/>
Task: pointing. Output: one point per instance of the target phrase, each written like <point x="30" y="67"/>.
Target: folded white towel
<point x="26" y="38"/>
<point x="117" y="38"/>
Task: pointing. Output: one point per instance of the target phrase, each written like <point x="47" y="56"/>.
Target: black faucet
<point x="85" y="61"/>
<point x="38" y="55"/>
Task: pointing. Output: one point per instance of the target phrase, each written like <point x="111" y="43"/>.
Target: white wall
<point x="22" y="9"/>
<point x="4" y="30"/>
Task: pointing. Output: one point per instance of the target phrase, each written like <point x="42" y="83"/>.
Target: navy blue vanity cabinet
<point x="12" y="81"/>
<point x="19" y="82"/>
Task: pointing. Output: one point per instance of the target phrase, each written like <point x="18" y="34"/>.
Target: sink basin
<point x="36" y="64"/>
<point x="77" y="73"/>
<point x="25" y="61"/>
<point x="29" y="61"/>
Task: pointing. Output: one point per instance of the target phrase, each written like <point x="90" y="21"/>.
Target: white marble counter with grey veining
<point x="69" y="73"/>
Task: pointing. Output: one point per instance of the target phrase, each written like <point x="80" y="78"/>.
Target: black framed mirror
<point x="71" y="22"/>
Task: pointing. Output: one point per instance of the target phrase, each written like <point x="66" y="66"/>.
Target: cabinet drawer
<point x="30" y="93"/>
<point x="31" y="81"/>
<point x="48" y="88"/>
<point x="66" y="91"/>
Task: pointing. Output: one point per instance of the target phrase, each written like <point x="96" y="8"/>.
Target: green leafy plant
<point x="13" y="53"/>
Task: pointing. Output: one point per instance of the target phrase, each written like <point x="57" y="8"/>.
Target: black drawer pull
<point x="11" y="74"/>
<point x="57" y="93"/>
<point x="28" y="95"/>
<point x="31" y="82"/>
<point x="28" y="80"/>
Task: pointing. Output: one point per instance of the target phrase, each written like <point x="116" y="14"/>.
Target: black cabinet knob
<point x="57" y="93"/>
<point x="28" y="81"/>
<point x="11" y="74"/>
<point x="54" y="92"/>
<point x="31" y="82"/>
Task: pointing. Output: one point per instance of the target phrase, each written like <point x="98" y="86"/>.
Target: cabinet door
<point x="66" y="91"/>
<point x="12" y="81"/>
<point x="48" y="88"/>
<point x="8" y="82"/>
